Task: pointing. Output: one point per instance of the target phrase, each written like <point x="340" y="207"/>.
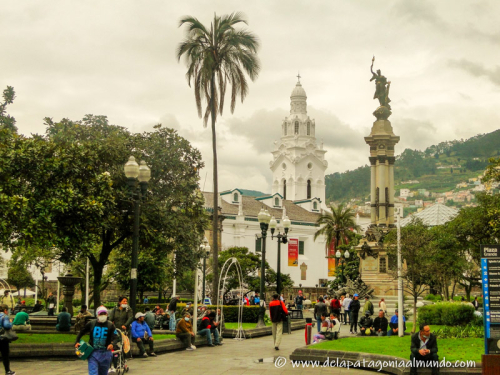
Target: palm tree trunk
<point x="215" y="221"/>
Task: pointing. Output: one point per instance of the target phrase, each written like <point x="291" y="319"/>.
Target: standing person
<point x="341" y="301"/>
<point x="149" y="318"/>
<point x="382" y="305"/>
<point x="393" y="331"/>
<point x="251" y="300"/>
<point x="246" y="301"/>
<point x="380" y="324"/>
<point x="368" y="307"/>
<point x="141" y="334"/>
<point x="21" y="321"/>
<point x="146" y="300"/>
<point x="256" y="299"/>
<point x="335" y="306"/>
<point x="172" y="308"/>
<point x="51" y="303"/>
<point x="475" y="303"/>
<point x="354" y="307"/>
<point x="320" y="309"/>
<point x="424" y="348"/>
<point x="282" y="298"/>
<point x="102" y="337"/>
<point x="184" y="332"/>
<point x="81" y="317"/>
<point x="7" y="300"/>
<point x="122" y="315"/>
<point x="299" y="301"/>
<point x="64" y="321"/>
<point x="346" y="303"/>
<point x="4" y="344"/>
<point x="277" y="311"/>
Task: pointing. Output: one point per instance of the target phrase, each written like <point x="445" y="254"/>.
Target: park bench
<point x="18" y="308"/>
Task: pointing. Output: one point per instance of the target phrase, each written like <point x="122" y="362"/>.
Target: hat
<point x="367" y="297"/>
<point x="23" y="301"/>
<point x="356" y="295"/>
<point x="139" y="314"/>
<point x="396" y="310"/>
<point x="300" y="291"/>
<point x="101" y="309"/>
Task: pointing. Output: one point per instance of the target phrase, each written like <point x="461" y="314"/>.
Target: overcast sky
<point x="117" y="58"/>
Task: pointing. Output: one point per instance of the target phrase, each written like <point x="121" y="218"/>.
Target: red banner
<point x="293" y="252"/>
<point x="331" y="259"/>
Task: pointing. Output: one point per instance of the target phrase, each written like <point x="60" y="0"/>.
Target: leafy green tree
<point x="347" y="268"/>
<point x="76" y="199"/>
<point x="19" y="276"/>
<point x="217" y="56"/>
<point x="338" y="226"/>
<point x="415" y="244"/>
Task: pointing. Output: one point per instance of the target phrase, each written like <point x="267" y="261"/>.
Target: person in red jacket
<point x="335" y="306"/>
<point x="277" y="311"/>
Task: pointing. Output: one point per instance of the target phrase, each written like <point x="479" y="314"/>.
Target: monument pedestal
<point x="374" y="267"/>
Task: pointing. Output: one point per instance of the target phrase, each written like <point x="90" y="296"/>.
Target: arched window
<point x="286" y="130"/>
<point x="276" y="201"/>
<point x="383" y="265"/>
<point x="235" y="197"/>
<point x="308" y="189"/>
<point x="284" y="189"/>
<point x="296" y="127"/>
<point x="308" y="128"/>
<point x="315" y="205"/>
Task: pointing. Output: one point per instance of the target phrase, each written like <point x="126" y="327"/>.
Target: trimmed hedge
<point x="446" y="313"/>
<point x="250" y="313"/>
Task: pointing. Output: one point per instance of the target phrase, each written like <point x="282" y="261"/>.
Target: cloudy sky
<point x="117" y="58"/>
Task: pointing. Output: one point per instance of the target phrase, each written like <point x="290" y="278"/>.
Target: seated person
<point x="64" y="321"/>
<point x="21" y="321"/>
<point x="324" y="329"/>
<point x="184" y="331"/>
<point x="424" y="348"/>
<point x="149" y="318"/>
<point x="81" y="318"/>
<point x="38" y="306"/>
<point x="141" y="334"/>
<point x="158" y="310"/>
<point x="393" y="324"/>
<point x="335" y="325"/>
<point x="208" y="326"/>
<point x="365" y="324"/>
<point x="380" y="324"/>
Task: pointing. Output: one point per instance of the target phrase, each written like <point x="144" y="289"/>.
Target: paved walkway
<point x="233" y="358"/>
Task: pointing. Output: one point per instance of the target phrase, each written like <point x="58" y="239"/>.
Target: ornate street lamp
<point x="264" y="218"/>
<point x="338" y="255"/>
<point x="205" y="248"/>
<point x="282" y="238"/>
<point x="136" y="175"/>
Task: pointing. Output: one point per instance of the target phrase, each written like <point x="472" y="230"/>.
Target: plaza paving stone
<point x="233" y="358"/>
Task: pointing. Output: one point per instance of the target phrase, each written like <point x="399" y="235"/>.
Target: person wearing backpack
<point x="102" y="337"/>
<point x="368" y="307"/>
<point x="5" y="325"/>
<point x="299" y="301"/>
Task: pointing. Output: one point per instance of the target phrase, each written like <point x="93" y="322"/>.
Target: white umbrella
<point x="21" y="293"/>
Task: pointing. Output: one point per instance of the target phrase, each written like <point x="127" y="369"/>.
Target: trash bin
<point x="287" y="324"/>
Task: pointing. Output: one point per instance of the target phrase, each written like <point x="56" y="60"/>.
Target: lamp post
<point x="317" y="295"/>
<point x="205" y="247"/>
<point x="136" y="174"/>
<point x="282" y="238"/>
<point x="264" y="218"/>
<point x="338" y="255"/>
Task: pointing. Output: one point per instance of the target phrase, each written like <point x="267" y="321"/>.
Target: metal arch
<point x="240" y="333"/>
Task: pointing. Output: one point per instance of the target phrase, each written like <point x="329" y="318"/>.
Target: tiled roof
<point x="251" y="207"/>
<point x="437" y="214"/>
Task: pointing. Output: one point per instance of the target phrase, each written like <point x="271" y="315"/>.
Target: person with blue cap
<point x="393" y="324"/>
<point x="354" y="307"/>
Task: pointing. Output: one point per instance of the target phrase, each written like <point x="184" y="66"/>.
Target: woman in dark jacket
<point x="4" y="344"/>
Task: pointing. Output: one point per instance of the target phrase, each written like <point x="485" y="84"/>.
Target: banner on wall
<point x="331" y="259"/>
<point x="293" y="252"/>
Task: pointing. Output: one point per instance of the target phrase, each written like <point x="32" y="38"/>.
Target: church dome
<point x="298" y="92"/>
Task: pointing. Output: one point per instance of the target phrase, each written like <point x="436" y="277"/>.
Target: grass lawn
<point x="41" y="338"/>
<point x="451" y="349"/>
<point x="245" y="325"/>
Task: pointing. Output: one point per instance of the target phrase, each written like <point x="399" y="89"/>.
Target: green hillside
<point x="439" y="168"/>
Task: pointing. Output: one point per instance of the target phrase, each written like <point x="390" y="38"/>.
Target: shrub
<point x="452" y="314"/>
<point x="460" y="332"/>
<point x="250" y="313"/>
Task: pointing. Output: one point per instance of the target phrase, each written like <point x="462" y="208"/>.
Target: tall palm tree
<point x="214" y="57"/>
<point x="338" y="226"/>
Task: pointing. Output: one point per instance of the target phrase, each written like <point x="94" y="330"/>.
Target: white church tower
<point x="298" y="163"/>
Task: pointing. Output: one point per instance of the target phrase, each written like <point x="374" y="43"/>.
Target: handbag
<point x="7" y="334"/>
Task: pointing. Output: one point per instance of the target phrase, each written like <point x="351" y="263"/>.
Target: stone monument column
<point x="373" y="187"/>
